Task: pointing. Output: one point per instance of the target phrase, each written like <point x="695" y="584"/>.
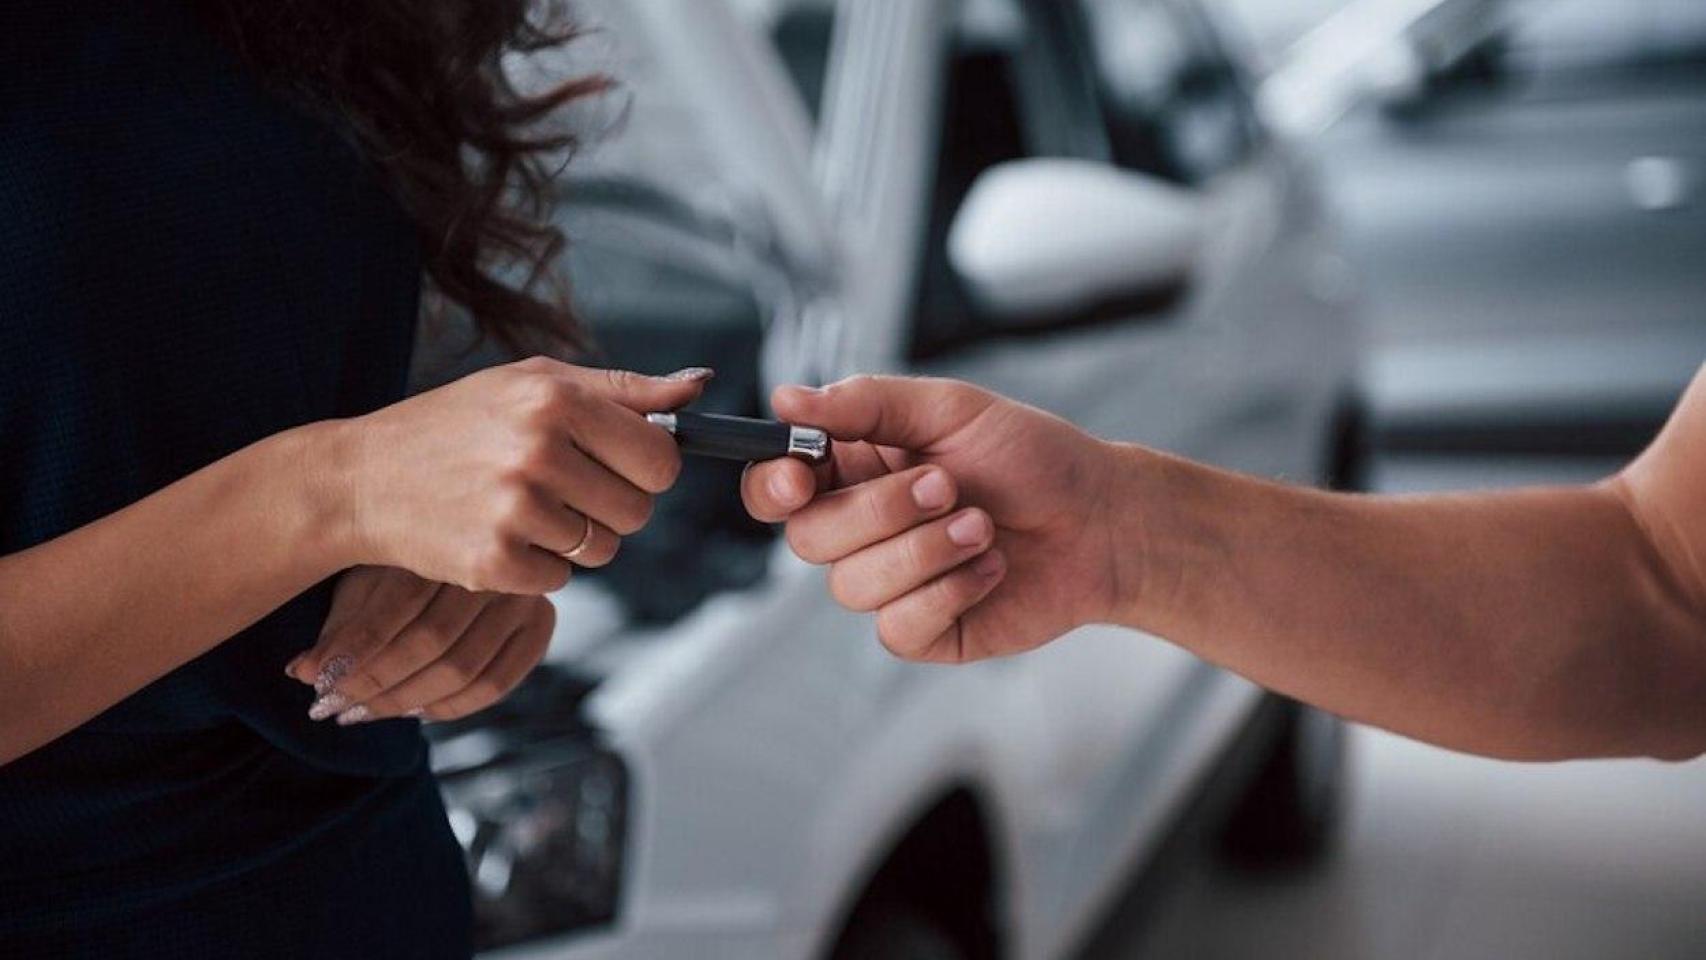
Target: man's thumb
<point x="909" y="412"/>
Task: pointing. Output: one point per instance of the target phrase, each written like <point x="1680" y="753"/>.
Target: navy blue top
<point x="188" y="265"/>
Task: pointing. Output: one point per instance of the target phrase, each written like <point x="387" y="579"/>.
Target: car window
<point x="656" y="272"/>
<point x="1011" y="81"/>
<point x="1174" y="104"/>
<point x="803" y="33"/>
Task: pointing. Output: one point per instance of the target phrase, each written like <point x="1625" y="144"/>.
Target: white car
<point x="1070" y="203"/>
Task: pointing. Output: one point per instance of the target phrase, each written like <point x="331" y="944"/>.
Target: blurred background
<point x="1393" y="245"/>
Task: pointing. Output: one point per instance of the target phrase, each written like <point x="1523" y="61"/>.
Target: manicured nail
<point x="932" y="491"/>
<point x="356" y="714"/>
<point x="327" y="705"/>
<point x="296" y="661"/>
<point x="989" y="565"/>
<point x="692" y="375"/>
<point x="968" y="529"/>
<point x="330" y="673"/>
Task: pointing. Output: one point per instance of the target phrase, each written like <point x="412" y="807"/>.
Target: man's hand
<point x="396" y="645"/>
<point x="1029" y="555"/>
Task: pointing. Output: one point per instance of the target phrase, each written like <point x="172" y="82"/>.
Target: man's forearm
<point x="1535" y="624"/>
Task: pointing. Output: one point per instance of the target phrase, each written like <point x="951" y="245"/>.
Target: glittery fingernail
<point x="331" y="672"/>
<point x="691" y="374"/>
<point x="356" y="714"/>
<point x="327" y="705"/>
<point x="416" y="713"/>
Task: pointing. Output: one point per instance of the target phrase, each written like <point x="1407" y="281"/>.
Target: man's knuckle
<point x="844" y="589"/>
<point x="803" y="540"/>
<point x="893" y="638"/>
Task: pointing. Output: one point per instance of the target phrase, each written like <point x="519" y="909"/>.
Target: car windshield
<point x="657" y="274"/>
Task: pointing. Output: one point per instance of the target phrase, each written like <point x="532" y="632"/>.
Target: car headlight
<point x="543" y="831"/>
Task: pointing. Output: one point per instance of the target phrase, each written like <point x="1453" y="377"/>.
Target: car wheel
<point x="895" y="931"/>
<point x="1290" y="813"/>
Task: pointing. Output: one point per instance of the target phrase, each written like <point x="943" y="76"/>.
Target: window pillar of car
<point x="804" y="34"/>
<point x="1014" y="90"/>
<point x="1176" y="104"/>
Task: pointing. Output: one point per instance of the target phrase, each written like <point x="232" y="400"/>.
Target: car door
<point x="1219" y="371"/>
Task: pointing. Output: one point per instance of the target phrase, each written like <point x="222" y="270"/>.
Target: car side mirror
<point x="1041" y="241"/>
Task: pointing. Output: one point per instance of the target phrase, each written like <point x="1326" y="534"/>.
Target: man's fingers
<point x="843" y="522"/>
<point x="924" y="624"/>
<point x="351" y="635"/>
<point x="893" y="568"/>
<point x="772" y="491"/>
<point x="907" y="412"/>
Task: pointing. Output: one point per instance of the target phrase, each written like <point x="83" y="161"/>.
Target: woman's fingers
<point x="845" y="521"/>
<point x="422" y="640"/>
<point x="592" y="489"/>
<point x="459" y="666"/>
<point x="882" y="573"/>
<point x="642" y="453"/>
<point x="520" y="652"/>
<point x="596" y="546"/>
<point x="363" y="619"/>
<point x="925" y="625"/>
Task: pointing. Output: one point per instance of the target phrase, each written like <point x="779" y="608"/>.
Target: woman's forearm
<point x="1535" y="624"/>
<point x="93" y="616"/>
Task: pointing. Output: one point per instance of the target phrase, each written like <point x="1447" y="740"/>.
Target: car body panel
<point x="775" y="751"/>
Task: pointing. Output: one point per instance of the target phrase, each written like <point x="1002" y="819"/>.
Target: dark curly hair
<point x="420" y="87"/>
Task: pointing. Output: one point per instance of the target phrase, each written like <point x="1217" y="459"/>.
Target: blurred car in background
<point x="1068" y="202"/>
<point x="1529" y="224"/>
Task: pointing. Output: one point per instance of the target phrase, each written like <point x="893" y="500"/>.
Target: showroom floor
<point x="1446" y="857"/>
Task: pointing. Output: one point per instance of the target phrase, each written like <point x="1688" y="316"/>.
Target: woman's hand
<point x="1030" y="554"/>
<point x="395" y="645"/>
<point x="496" y="481"/>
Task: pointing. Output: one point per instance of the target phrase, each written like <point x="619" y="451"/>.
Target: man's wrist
<point x="1147" y="504"/>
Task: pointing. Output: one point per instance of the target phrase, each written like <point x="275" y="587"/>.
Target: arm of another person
<point x="481" y="483"/>
<point x="1531" y="624"/>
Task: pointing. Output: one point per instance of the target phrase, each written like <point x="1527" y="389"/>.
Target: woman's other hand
<point x="395" y="645"/>
<point x="494" y="481"/>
